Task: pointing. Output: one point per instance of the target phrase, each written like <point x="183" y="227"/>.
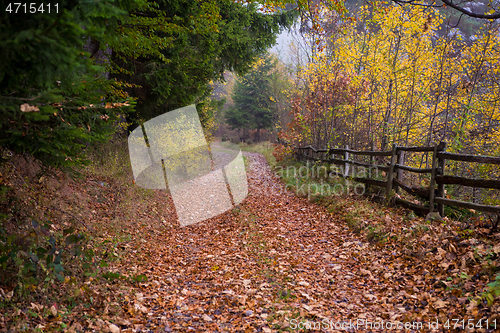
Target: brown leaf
<point x="439" y="304"/>
<point x="472" y="306"/>
<point x="122" y="322"/>
<point x="53" y="310"/>
<point x="114" y="329"/>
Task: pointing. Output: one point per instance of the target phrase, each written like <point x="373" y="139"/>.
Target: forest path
<point x="274" y="258"/>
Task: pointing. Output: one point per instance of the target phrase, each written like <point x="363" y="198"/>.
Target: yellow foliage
<point x="406" y="83"/>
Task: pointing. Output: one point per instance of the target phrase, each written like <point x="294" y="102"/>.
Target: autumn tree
<point x="405" y="82"/>
<point x="405" y="85"/>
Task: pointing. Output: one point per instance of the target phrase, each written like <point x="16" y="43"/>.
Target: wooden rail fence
<point x="394" y="168"/>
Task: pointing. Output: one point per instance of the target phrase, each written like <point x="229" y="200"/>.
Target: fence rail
<point x="396" y="166"/>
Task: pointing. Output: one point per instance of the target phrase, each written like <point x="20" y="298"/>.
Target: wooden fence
<point x="393" y="171"/>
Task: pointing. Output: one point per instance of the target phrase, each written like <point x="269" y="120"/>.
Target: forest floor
<point x="277" y="262"/>
<point x="281" y="262"/>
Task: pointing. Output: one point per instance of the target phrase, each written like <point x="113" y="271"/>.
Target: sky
<point x="281" y="48"/>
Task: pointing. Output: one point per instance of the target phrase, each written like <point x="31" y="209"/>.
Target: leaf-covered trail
<point x="274" y="258"/>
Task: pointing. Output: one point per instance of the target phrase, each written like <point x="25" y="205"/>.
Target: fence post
<point x="433" y="179"/>
<point x="441" y="165"/>
<point x="437" y="169"/>
<point x="390" y="174"/>
<point x="400" y="155"/>
<point x="372" y="162"/>
<point x="372" y="149"/>
<point x="346" y="165"/>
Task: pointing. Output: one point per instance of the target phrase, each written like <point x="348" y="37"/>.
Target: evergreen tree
<point x="197" y="52"/>
<point x="253" y="100"/>
<point x="54" y="98"/>
<point x="55" y="95"/>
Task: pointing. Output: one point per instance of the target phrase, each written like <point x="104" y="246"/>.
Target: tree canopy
<point x="225" y="35"/>
<point x="67" y="76"/>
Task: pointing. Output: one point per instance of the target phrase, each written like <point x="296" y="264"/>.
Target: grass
<point x="265" y="148"/>
<point x="110" y="160"/>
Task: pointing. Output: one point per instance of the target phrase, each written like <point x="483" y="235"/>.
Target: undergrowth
<point x="59" y="242"/>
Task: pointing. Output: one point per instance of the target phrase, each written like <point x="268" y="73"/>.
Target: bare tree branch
<point x="416" y="3"/>
<point x="451" y="4"/>
<point x="493" y="16"/>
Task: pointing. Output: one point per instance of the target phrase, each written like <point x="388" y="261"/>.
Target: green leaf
<point x="140" y="278"/>
<point x="30" y="266"/>
<point x="68" y="231"/>
<point x="89" y="254"/>
<point x="112" y="276"/>
<point x="41" y="251"/>
<point x="58" y="268"/>
<point x="57" y="259"/>
<point x="71" y="239"/>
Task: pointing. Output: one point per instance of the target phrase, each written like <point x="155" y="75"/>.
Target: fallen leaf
<point x="114" y="329"/>
<point x="303" y="283"/>
<point x="29" y="108"/>
<point x="122" y="322"/>
<point x="440" y="304"/>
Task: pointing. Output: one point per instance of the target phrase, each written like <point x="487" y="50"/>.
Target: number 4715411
<point x="471" y="324"/>
<point x="31" y="8"/>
